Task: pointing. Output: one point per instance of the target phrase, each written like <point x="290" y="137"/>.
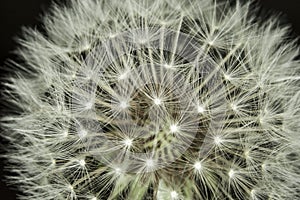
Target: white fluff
<point x="164" y="99"/>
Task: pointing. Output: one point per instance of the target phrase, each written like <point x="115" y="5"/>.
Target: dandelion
<point x="161" y="99"/>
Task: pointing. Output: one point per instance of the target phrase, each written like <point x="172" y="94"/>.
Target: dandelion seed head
<point x="200" y="109"/>
<point x="195" y="99"/>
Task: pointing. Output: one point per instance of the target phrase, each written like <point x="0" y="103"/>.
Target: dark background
<point x="17" y="13"/>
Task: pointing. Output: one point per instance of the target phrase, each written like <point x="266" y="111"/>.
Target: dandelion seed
<point x="128" y="142"/>
<point x="89" y="105"/>
<point x="157" y="101"/>
<point x="65" y="134"/>
<point x="264" y="166"/>
<point x="123" y="104"/>
<point x="82" y="133"/>
<point x="234" y="107"/>
<point x="174" y="128"/>
<point x="123" y="76"/>
<point x="218" y="140"/>
<point x="174" y="195"/>
<point x="200" y="109"/>
<point x="118" y="171"/>
<point x="253" y="193"/>
<point x="70" y="187"/>
<point x="231" y="173"/>
<point x="168" y="66"/>
<point x="198" y="166"/>
<point x="82" y="162"/>
<point x="227" y="77"/>
<point x="211" y="42"/>
<point x="53" y="162"/>
<point x="247" y="153"/>
<point x="149" y="163"/>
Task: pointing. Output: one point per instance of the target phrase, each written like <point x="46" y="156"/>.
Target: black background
<point x="17" y="13"/>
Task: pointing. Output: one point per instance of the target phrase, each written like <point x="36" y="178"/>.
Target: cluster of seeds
<point x="155" y="100"/>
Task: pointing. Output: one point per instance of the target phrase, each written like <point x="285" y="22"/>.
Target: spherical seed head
<point x="225" y="85"/>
